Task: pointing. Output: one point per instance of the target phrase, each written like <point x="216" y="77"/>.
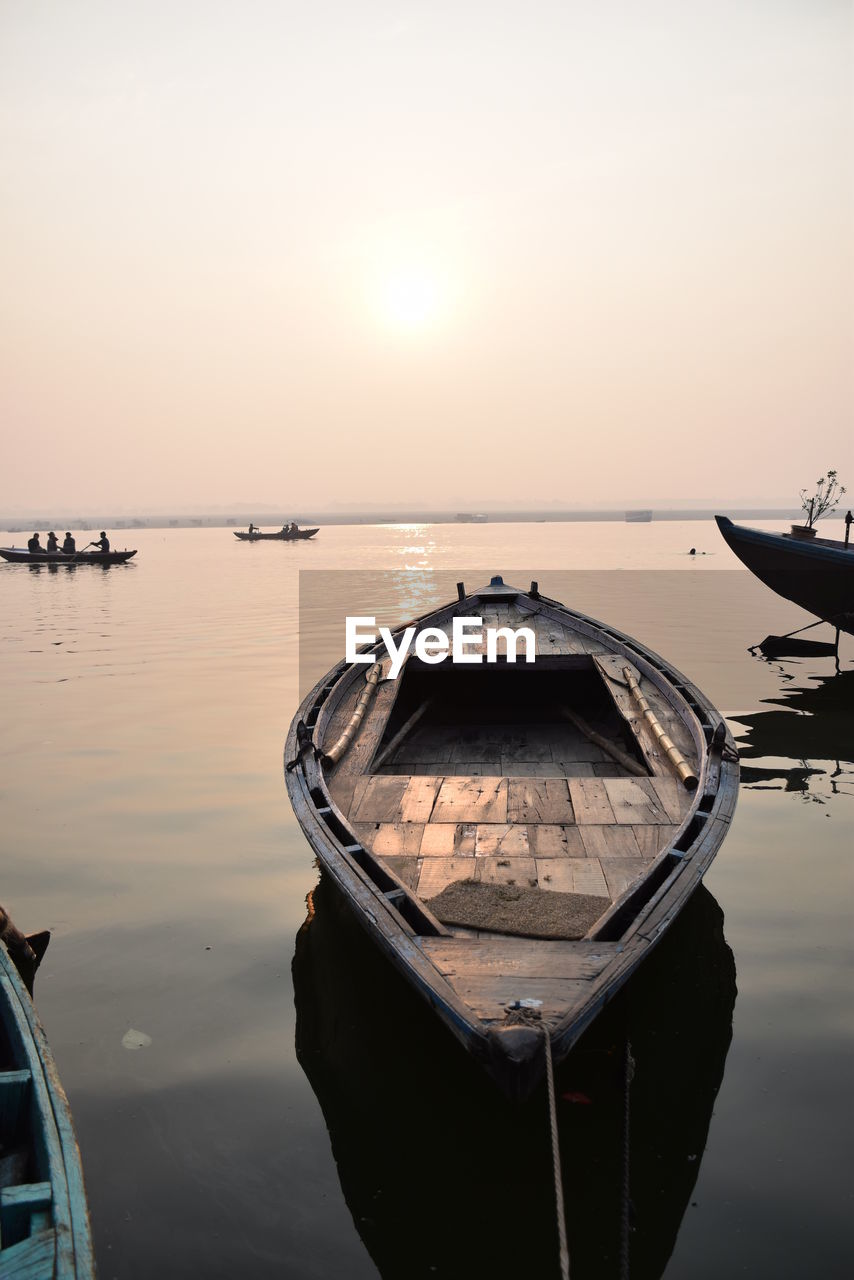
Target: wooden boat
<point x="44" y="1220"/>
<point x="515" y="837"/>
<point x="815" y="573"/>
<point x="279" y="536"/>
<point x="16" y="555"/>
<point x="631" y="1145"/>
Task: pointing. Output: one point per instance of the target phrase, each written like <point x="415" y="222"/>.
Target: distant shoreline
<point x="19" y="524"/>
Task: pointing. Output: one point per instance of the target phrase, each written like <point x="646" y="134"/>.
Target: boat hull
<point x="16" y="556"/>
<point x="817" y="575"/>
<point x="44" y="1220"/>
<point x="479" y="983"/>
<point x="301" y="535"/>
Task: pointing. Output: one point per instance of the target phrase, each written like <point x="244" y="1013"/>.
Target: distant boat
<point x="19" y="555"/>
<point x="639" y="517"/>
<point x="472" y="517"/>
<point x="513" y="861"/>
<point x="44" y="1219"/>
<point x="281" y="535"/>
<point x="815" y="573"/>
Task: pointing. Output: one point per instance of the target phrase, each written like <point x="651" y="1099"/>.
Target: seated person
<point x="52" y="544"/>
<point x="103" y="543"/>
<point x="33" y="544"/>
<point x="69" y="546"/>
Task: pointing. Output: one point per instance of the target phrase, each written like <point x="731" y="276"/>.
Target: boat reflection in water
<point x="806" y="739"/>
<point x="446" y="1178"/>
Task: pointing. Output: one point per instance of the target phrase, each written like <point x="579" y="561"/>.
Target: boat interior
<point x="521" y="777"/>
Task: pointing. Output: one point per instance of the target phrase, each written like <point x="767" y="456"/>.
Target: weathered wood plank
<point x="572" y="875"/>
<point x="549" y="841"/>
<point x="674" y="797"/>
<point x="521" y="871"/>
<point x="501" y="840"/>
<point x="448" y="839"/>
<point x="513" y="768"/>
<point x="520" y="957"/>
<point x="406" y="869"/>
<point x="418" y="799"/>
<point x="609" y="842"/>
<point x="539" y="800"/>
<point x="621" y="872"/>
<point x="390" y="838"/>
<point x="490" y="997"/>
<point x="471" y="799"/>
<point x="379" y="800"/>
<point x="438" y="873"/>
<point x="652" y="839"/>
<point x="634" y="801"/>
<point x="590" y="801"/>
<point x="475" y="768"/>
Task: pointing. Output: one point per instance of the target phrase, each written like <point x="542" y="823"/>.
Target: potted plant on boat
<point x="828" y="491"/>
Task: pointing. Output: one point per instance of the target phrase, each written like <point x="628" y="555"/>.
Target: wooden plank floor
<point x="577" y="835"/>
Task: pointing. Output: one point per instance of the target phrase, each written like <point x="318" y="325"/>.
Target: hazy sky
<point x="366" y="251"/>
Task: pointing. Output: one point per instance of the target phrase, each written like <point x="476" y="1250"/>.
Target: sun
<point x="412" y="299"/>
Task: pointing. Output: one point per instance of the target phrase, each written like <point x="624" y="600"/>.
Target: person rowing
<point x="102" y="543"/>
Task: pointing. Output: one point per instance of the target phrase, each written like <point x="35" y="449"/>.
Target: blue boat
<point x="44" y="1219"/>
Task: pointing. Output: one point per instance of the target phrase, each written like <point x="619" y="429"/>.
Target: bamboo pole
<point x="372" y="679"/>
<point x="674" y="755"/>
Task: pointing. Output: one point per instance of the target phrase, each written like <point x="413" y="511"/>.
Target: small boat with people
<point x="290" y="532"/>
<point x="44" y="1218"/>
<point x="19" y="555"/>
<point x="66" y="553"/>
<point x="516" y="836"/>
<point x="815" y="573"/>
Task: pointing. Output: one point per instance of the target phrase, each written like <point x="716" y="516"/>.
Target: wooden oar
<point x="615" y="752"/>
<point x="404" y="729"/>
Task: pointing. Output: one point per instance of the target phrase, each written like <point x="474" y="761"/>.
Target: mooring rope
<point x="558" y="1181"/>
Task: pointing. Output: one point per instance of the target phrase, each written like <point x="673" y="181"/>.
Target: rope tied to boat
<point x="558" y="1180"/>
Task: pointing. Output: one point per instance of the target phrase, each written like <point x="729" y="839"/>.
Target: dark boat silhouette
<point x="817" y="574"/>
<point x="281" y="535"/>
<point x="19" y="555"/>
<point x="447" y="1179"/>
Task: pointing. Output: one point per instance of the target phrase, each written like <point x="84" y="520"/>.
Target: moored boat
<point x="815" y="573"/>
<point x="20" y="555"/>
<point x="515" y="837"/>
<point x="282" y="535"/>
<point x="44" y="1220"/>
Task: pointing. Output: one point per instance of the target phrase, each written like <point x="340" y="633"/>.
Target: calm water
<point x="146" y="824"/>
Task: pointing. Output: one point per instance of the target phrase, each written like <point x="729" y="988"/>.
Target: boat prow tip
<point x="517" y="1058"/>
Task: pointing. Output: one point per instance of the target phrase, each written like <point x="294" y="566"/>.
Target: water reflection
<point x="445" y="1178"/>
<point x="806" y="740"/>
